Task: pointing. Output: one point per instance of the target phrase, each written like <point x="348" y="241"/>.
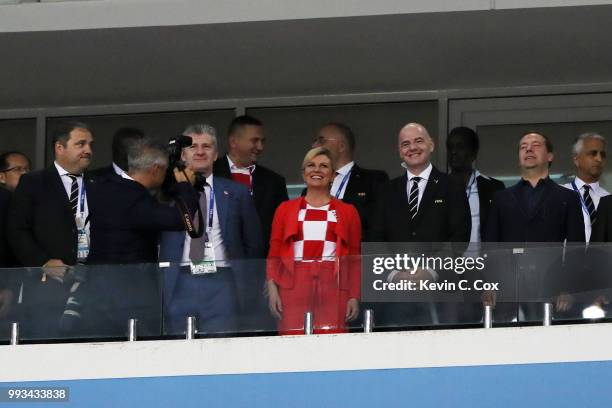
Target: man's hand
<point x="352" y="309"/>
<point x="564" y="302"/>
<point x="274" y="301"/>
<point x="186" y="175"/>
<point x="54" y="268"/>
<point x="6" y="300"/>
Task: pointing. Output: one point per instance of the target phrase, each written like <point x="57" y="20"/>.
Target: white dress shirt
<point x="341" y="173"/>
<point x="474" y="200"/>
<point x="596" y="193"/>
<point x="67" y="182"/>
<point x="214" y="236"/>
<point x="422" y="183"/>
<point x="118" y="170"/>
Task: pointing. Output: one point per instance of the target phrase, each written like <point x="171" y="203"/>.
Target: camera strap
<point x="186" y="217"/>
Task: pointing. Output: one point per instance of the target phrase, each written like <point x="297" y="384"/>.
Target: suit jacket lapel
<point x="291" y="222"/>
<point x="352" y="186"/>
<point x="221" y="202"/>
<point x="259" y="188"/>
<point x="57" y="186"/>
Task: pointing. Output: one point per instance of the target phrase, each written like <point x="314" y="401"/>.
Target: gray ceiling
<point x="306" y="57"/>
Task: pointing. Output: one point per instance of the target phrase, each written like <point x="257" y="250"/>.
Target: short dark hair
<point x="122" y="140"/>
<point x="547" y="142"/>
<point x="469" y="136"/>
<point x="61" y="134"/>
<point x="346" y="131"/>
<point x="241" y="121"/>
<point x="4" y="164"/>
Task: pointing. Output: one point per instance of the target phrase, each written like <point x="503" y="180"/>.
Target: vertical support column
<point x="548" y="314"/>
<point x="308" y="323"/>
<point x="368" y="321"/>
<point x="488" y="317"/>
<point x="132" y="327"/>
<point x="191" y="328"/>
<point x="14" y="334"/>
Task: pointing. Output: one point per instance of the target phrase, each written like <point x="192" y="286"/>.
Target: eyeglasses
<point x="19" y="169"/>
<point x="321" y="139"/>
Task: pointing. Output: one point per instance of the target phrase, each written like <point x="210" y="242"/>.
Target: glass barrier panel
<point x="88" y="302"/>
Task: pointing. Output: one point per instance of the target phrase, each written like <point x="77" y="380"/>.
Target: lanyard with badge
<point x="342" y="183"/>
<point x="81" y="223"/>
<point x="207" y="264"/>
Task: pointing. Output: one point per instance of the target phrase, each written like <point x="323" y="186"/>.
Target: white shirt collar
<point x="209" y="180"/>
<point x="424" y="174"/>
<point x="126" y="176"/>
<point x="580" y="183"/>
<point x="63" y="172"/>
<point x="118" y="170"/>
<point x="346" y="169"/>
<point x="251" y="168"/>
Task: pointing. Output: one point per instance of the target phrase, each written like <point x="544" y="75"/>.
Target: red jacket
<point x="280" y="262"/>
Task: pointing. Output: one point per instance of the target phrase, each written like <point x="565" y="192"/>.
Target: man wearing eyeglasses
<point x="12" y="166"/>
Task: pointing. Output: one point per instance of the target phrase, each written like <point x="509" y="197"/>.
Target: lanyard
<point x="343" y="182"/>
<point x="211" y="210"/>
<point x="82" y="198"/>
<point x="584" y="207"/>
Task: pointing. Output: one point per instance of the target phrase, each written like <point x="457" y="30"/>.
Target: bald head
<point x="415" y="147"/>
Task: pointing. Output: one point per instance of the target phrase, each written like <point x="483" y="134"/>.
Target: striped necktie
<point x="413" y="198"/>
<point x="74" y="193"/>
<point x="588" y="202"/>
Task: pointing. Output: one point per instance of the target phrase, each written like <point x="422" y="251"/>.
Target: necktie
<point x="413" y="198"/>
<point x="74" y="193"/>
<point x="196" y="250"/>
<point x="588" y="201"/>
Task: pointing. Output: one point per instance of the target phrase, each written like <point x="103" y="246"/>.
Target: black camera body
<point x="175" y="149"/>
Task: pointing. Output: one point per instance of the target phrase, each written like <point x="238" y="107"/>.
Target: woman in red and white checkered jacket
<point x="314" y="264"/>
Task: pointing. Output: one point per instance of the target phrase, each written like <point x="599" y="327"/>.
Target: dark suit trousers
<point x="210" y="298"/>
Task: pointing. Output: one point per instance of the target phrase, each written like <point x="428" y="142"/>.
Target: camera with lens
<point x="175" y="149"/>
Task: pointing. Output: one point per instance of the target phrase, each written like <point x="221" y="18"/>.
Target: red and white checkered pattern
<point x="316" y="238"/>
<point x="243" y="175"/>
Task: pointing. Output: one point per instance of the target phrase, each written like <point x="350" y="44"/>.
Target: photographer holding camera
<point x="126" y="219"/>
<point x="213" y="277"/>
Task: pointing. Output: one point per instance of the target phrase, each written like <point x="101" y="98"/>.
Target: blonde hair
<point x="318" y="151"/>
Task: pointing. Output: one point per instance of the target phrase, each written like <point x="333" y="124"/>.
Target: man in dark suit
<point x="462" y="147"/>
<point x="423" y="206"/>
<point x="12" y="166"/>
<point x="47" y="227"/>
<point x="122" y="139"/>
<point x="268" y="189"/>
<point x="352" y="184"/>
<point x="535" y="210"/>
<point x="125" y="222"/>
<point x="213" y="277"/>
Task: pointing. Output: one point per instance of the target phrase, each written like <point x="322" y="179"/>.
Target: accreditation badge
<point x="206" y="265"/>
<point x="82" y="239"/>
